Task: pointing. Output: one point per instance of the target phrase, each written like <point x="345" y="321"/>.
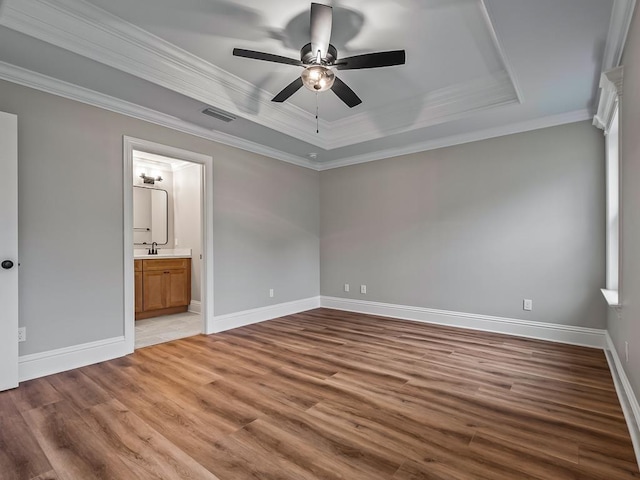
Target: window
<point x="607" y="118"/>
<point x="613" y="228"/>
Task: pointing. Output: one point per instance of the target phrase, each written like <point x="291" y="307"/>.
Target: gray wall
<point x="70" y="189"/>
<point x="474" y="228"/>
<point x="266" y="220"/>
<point x="626" y="325"/>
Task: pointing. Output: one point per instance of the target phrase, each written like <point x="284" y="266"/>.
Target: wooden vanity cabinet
<point x="138" y="281"/>
<point x="165" y="287"/>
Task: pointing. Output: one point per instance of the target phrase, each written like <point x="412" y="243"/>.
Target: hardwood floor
<point x="325" y="395"/>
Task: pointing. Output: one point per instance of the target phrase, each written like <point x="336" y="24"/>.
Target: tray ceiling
<point x="475" y="68"/>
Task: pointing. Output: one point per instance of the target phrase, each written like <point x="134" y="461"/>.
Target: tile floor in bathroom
<point x="166" y="328"/>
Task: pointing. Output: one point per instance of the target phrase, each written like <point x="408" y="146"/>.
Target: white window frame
<point x="613" y="208"/>
<point x="608" y="118"/>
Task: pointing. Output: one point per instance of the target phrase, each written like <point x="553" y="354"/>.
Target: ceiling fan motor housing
<point x="308" y="57"/>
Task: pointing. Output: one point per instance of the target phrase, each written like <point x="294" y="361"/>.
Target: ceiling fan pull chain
<point x="317" y="120"/>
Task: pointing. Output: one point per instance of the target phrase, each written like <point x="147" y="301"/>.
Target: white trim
<point x="130" y="144"/>
<point x="610" y="92"/>
<point x="621" y="15"/>
<point x="38" y="365"/>
<point x="589" y="337"/>
<point x="261" y="314"/>
<point x="497" y="43"/>
<point x="128" y="260"/>
<point x="37" y="81"/>
<point x="9" y="250"/>
<point x="195" y="306"/>
<point x="206" y="272"/>
<point x="628" y="399"/>
<point x="436" y="107"/>
<point x="43" y="83"/>
<point x="611" y="296"/>
<point x="149" y="160"/>
<point x="478" y="135"/>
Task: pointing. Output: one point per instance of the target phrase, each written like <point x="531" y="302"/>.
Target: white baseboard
<point x="195" y="306"/>
<point x="62" y="359"/>
<point x="255" y="315"/>
<point x="627" y="397"/>
<point x="589" y="337"/>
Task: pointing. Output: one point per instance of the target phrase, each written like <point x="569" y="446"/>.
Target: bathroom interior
<point x="167" y="247"/>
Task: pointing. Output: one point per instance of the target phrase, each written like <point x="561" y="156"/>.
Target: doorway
<point x="168" y="247"/>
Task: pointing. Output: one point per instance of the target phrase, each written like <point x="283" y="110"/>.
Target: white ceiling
<point x="151" y="160"/>
<point x="475" y="68"/>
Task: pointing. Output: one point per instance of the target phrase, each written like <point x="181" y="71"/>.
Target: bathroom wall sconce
<point x="150" y="180"/>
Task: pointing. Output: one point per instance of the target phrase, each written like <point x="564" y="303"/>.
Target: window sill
<point x="611" y="296"/>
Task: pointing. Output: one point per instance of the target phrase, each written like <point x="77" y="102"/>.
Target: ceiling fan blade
<point x="345" y="94"/>
<point x="321" y="25"/>
<point x="372" y="60"/>
<point x="267" y="57"/>
<point x="287" y="91"/>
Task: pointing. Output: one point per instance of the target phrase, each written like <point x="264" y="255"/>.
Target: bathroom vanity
<point x="162" y="284"/>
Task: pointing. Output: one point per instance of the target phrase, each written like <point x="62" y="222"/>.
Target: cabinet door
<point x="153" y="286"/>
<point x="178" y="287"/>
<point x="139" y="299"/>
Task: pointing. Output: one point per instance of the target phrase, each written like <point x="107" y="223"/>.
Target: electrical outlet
<point x="527" y="304"/>
<point x="626" y="351"/>
<point x="363" y="289"/>
<point x="346" y="287"/>
<point x="22" y="334"/>
<point x="271" y="292"/>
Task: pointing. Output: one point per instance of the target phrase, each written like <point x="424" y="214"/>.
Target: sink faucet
<point x="153" y="250"/>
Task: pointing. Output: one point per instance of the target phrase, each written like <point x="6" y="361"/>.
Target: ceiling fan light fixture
<point x="318" y="78"/>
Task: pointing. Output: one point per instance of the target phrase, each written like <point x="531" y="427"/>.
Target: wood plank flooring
<point x="325" y="395"/>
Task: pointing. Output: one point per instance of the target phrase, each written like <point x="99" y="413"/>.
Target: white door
<point x="8" y="251"/>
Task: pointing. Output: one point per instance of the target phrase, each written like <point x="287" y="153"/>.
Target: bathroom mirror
<point x="150" y="216"/>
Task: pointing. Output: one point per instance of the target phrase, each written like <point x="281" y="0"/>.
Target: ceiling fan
<point x="319" y="58"/>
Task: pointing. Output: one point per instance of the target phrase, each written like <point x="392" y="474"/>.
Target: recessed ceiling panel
<point x="472" y="66"/>
<point x="447" y="43"/>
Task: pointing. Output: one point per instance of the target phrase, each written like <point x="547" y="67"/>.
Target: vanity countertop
<point x="143" y="253"/>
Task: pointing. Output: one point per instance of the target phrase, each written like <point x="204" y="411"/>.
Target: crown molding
<point x="87" y="30"/>
<point x="610" y="92"/>
<point x="153" y="165"/>
<point x="497" y="43"/>
<point x="621" y="14"/>
<point x="439" y="106"/>
<point x="484" y="134"/>
<point x="145" y="160"/>
<point x="151" y="159"/>
<point x="57" y="87"/>
<point x="60" y="88"/>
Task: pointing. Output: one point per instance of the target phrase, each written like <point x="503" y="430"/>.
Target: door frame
<point x="206" y="197"/>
